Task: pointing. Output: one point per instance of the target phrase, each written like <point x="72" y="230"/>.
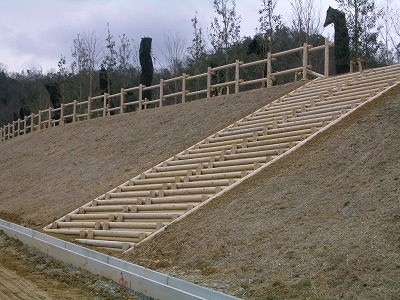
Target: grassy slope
<point x="322" y="223"/>
<point x="47" y="174"/>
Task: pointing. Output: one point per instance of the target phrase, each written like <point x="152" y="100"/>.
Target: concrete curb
<point x="145" y="281"/>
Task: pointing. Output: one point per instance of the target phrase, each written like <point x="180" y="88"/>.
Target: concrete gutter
<point x="139" y="279"/>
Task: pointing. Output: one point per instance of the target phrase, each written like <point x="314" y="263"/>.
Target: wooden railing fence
<point x="99" y="106"/>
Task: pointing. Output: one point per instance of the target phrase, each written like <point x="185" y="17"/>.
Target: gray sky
<point x="34" y="33"/>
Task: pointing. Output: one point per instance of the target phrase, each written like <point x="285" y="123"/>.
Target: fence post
<point x="237" y="76"/>
<point x="32" y="123"/>
<point x="74" y="112"/>
<point x="40" y="119"/>
<point x="269" y="69"/>
<point x="61" y="120"/>
<point x="161" y="92"/>
<point x="1" y="134"/>
<point x="305" y="60"/>
<point x="326" y="69"/>
<point x="208" y="82"/>
<point x="50" y="117"/>
<point x="351" y="66"/>
<point x="183" y="88"/>
<point x="140" y="96"/>
<point x="105" y="105"/>
<point x="24" y="125"/>
<point x="121" y="102"/>
<point x="89" y="108"/>
<point x="13" y="128"/>
<point x="18" y="126"/>
<point x="9" y="131"/>
<point x="359" y="65"/>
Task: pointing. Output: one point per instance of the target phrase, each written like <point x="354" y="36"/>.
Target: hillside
<point x="322" y="223"/>
<point x="49" y="173"/>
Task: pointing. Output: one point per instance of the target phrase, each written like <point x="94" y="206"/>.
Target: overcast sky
<point x="34" y="33"/>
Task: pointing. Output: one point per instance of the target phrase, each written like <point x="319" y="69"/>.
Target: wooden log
<point x="126" y="216"/>
<point x="323" y="110"/>
<point x="264" y="147"/>
<point x="199" y="154"/>
<point x="49" y="117"/>
<point x="142" y="187"/>
<point x="74" y="118"/>
<point x="179" y="199"/>
<point x="163" y="207"/>
<point x="237" y="76"/>
<point x="108" y="244"/>
<point x="152" y="181"/>
<point x="326" y="61"/>
<point x="280" y="136"/>
<point x="208" y="82"/>
<point x="187" y="161"/>
<point x="39" y="119"/>
<point x="230" y="137"/>
<point x="184" y="76"/>
<point x="253" y="154"/>
<point x="167" y="174"/>
<point x="203" y="183"/>
<point x="211" y="149"/>
<point x="241" y="161"/>
<point x="177" y="168"/>
<point x="189" y="191"/>
<point x="65" y="231"/>
<point x="129" y="194"/>
<point x="287" y="52"/>
<point x="269" y="70"/>
<point x="314" y="114"/>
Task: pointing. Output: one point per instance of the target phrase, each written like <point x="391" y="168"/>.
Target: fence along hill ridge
<point x="100" y="106"/>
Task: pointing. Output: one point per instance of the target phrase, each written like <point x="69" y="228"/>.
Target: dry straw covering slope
<point x="322" y="223"/>
<point x="47" y="174"/>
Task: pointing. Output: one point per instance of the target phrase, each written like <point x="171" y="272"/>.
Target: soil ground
<point x="47" y="174"/>
<point x="322" y="223"/>
<point x="27" y="274"/>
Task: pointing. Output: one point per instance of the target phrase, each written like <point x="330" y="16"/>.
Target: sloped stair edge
<point x="182" y="152"/>
<point x="273" y="161"/>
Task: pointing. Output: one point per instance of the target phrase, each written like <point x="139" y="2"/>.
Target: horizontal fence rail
<point x="101" y="106"/>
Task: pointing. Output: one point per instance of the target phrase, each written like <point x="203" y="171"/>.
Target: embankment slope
<point x="47" y="174"/>
<point x="322" y="223"/>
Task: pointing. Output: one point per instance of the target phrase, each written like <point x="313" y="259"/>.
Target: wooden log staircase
<point x="142" y="206"/>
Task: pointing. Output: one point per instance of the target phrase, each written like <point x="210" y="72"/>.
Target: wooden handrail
<point x="10" y="130"/>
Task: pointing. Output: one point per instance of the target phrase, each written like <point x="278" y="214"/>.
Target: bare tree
<point x="305" y="19"/>
<point x="174" y="57"/>
<point x="94" y="50"/>
<point x="174" y="53"/>
<point x="225" y="27"/>
<point x="110" y="57"/>
<point x="86" y="53"/>
<point x="362" y="17"/>
<point x="394" y="33"/>
<point x="197" y="50"/>
<point x="269" y="23"/>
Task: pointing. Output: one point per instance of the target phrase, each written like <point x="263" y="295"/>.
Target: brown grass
<point x="322" y="223"/>
<point x="47" y="174"/>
